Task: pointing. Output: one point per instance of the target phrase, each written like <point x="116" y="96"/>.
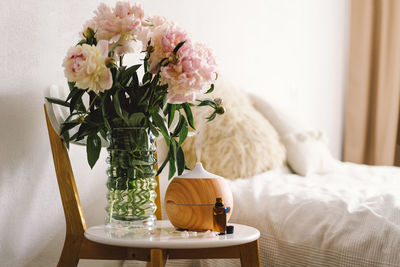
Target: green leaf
<point x="180" y="160"/>
<point x="65" y="126"/>
<point x="145" y="65"/>
<point x="163" y="164"/>
<point x="57" y="101"/>
<point x="128" y="73"/>
<point x="211" y="117"/>
<point x="135" y="80"/>
<point x="183" y="133"/>
<point x="84" y="130"/>
<point x="211" y="89"/>
<point x="179" y="126"/>
<point x="75" y="103"/>
<point x="171" y="113"/>
<point x="154" y="130"/>
<point x="104" y="113"/>
<point x="207" y="102"/>
<point x="92" y="99"/>
<point x="103" y="133"/>
<point x="178" y="46"/>
<point x="174" y="147"/>
<point x="70" y="116"/>
<point x="93" y="148"/>
<point x="95" y="118"/>
<point x="118" y="108"/>
<point x="74" y="90"/>
<point x="189" y="114"/>
<point x="71" y="86"/>
<point x="81" y="42"/>
<point x="79" y="103"/>
<point x="65" y="136"/>
<point x="172" y="168"/>
<point x="136" y="119"/>
<point x="147" y="77"/>
<point x="159" y="122"/>
<point x="170" y="155"/>
<point x="145" y="99"/>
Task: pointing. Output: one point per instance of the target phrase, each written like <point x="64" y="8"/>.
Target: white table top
<point x="165" y="236"/>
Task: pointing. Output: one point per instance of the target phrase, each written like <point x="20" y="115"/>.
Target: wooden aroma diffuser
<point x="190" y="199"/>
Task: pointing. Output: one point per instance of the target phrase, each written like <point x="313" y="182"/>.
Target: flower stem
<point x="81" y="117"/>
<point x="91" y="104"/>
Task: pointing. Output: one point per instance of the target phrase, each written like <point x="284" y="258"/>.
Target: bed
<point x="348" y="217"/>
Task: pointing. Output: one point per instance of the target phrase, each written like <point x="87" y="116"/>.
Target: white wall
<point x="293" y="52"/>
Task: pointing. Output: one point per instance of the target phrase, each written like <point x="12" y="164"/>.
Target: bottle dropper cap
<point x="230" y="229"/>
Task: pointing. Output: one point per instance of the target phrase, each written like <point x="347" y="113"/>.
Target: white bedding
<point x="349" y="217"/>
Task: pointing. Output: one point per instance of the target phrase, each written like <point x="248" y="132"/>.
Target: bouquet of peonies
<point x="175" y="71"/>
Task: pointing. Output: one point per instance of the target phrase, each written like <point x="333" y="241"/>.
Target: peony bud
<point x="218" y="101"/>
<point x="220" y="110"/>
<point x="173" y="59"/>
<point x="88" y="33"/>
<point x="150" y="49"/>
<point x="110" y="62"/>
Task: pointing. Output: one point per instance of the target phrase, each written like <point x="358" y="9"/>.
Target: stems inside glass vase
<point x="131" y="178"/>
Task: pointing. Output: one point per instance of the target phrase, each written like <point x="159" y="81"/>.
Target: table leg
<point x="158" y="258"/>
<point x="249" y="254"/>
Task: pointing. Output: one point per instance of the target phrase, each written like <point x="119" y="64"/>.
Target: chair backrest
<point x="75" y="221"/>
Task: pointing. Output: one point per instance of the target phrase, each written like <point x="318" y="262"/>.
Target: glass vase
<point x="131" y="178"/>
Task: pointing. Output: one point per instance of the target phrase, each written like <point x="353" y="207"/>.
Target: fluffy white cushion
<point x="240" y="143"/>
<point x="307" y="150"/>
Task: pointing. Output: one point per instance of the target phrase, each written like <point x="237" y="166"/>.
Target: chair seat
<point x="166" y="237"/>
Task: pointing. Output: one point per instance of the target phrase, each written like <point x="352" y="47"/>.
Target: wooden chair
<point x="77" y="246"/>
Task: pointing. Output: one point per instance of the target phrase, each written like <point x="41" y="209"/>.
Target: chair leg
<point x="70" y="253"/>
<point x="158" y="258"/>
<point x="249" y="254"/>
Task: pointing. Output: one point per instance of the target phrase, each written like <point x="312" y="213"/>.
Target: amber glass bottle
<point x="219" y="217"/>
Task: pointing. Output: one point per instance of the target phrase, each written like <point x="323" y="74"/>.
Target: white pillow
<point x="308" y="153"/>
<point x="307" y="150"/>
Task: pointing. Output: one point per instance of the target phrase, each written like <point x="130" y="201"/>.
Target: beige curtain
<point x="372" y="133"/>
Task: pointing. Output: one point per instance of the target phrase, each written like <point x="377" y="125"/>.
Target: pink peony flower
<point x="86" y="65"/>
<point x="148" y="27"/>
<point x="120" y="25"/>
<point x="178" y="99"/>
<point x="125" y="9"/>
<point x="164" y="39"/>
<point x="193" y="73"/>
<point x="190" y="71"/>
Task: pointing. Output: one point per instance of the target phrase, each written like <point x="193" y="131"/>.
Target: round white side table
<point x="169" y="243"/>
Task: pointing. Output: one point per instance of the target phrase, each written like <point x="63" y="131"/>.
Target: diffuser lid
<point x="199" y="172"/>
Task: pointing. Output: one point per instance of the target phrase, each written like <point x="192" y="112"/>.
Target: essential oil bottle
<point x="219" y="217"/>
